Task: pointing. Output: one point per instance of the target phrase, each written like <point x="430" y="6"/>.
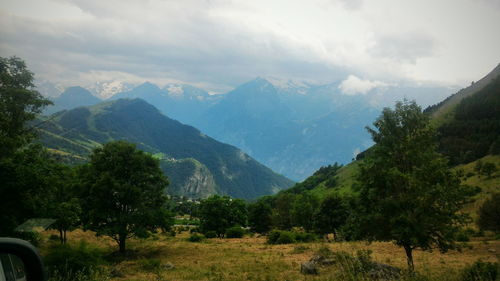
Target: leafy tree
<point x="303" y="208"/>
<point x="489" y="214"/>
<point x="331" y="215"/>
<point x="19" y="104"/>
<point x="281" y="212"/>
<point x="218" y="213"/>
<point x="124" y="193"/>
<point x="406" y="191"/>
<point x="260" y="216"/>
<point x="23" y="167"/>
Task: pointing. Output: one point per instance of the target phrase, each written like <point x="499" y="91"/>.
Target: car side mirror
<point x="20" y="261"/>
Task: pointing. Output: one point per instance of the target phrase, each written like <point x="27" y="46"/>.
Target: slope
<point x="214" y="167"/>
<point x="72" y="97"/>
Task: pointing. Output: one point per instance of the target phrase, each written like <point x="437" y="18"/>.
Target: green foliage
<point x="481" y="271"/>
<point x="218" y="213"/>
<point x="195" y="237"/>
<point x="331" y="215"/>
<point x="489" y="214"/>
<point x="19" y="104"/>
<point x="235" y="232"/>
<point x="324" y="175"/>
<point x="474" y="130"/>
<point x="305" y="237"/>
<point x="286" y="237"/>
<point x="70" y="261"/>
<point x="407" y="193"/>
<point x="210" y="234"/>
<point x="282" y="217"/>
<point x="303" y="209"/>
<point x="124" y="193"/>
<point x="260" y="216"/>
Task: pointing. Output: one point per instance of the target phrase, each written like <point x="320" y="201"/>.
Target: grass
<point x="488" y="185"/>
<point x="252" y="259"/>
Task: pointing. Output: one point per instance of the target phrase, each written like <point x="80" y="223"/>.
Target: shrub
<point x="195" y="237"/>
<point x="71" y="262"/>
<point x="286" y="237"/>
<point x="210" y="234"/>
<point x="273" y="236"/>
<point x="305" y="237"/>
<point x="480" y="271"/>
<point x="235" y="232"/>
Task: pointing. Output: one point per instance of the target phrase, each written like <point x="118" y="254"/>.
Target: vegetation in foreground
<point x="162" y="257"/>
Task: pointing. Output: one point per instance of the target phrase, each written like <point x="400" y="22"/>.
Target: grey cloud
<point x="405" y="47"/>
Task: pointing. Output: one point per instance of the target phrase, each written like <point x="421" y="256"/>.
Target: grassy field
<point x="250" y="258"/>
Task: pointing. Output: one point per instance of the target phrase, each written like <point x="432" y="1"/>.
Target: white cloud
<point x="221" y="43"/>
<point x="356" y="86"/>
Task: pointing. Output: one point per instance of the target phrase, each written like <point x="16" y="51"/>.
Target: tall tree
<point x="23" y="167"/>
<point x="19" y="104"/>
<point x="124" y="193"/>
<point x="260" y="216"/>
<point x="218" y="213"/>
<point x="331" y="215"/>
<point x="407" y="193"/>
<point x="489" y="214"/>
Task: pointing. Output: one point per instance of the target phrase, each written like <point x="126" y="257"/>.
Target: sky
<point x="219" y="44"/>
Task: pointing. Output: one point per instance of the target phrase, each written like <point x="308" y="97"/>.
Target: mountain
<point x="468" y="126"/>
<point x="196" y="164"/>
<point x="72" y="97"/>
<point x="179" y="101"/>
<point x="106" y="89"/>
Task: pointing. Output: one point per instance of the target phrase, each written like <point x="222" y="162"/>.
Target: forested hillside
<point x="196" y="164"/>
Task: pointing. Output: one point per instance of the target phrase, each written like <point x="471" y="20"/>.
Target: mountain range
<point x="197" y="165"/>
<point x="293" y="127"/>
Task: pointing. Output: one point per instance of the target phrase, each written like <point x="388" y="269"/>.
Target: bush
<point x="70" y="262"/>
<point x="195" y="237"/>
<point x="305" y="237"/>
<point x="273" y="236"/>
<point x="235" y="232"/>
<point x="286" y="237"/>
<point x="210" y="234"/>
<point x="480" y="271"/>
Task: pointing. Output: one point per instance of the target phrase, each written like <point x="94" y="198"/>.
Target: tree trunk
<point x="61" y="238"/>
<point x="121" y="243"/>
<point x="409" y="259"/>
<point x="64" y="232"/>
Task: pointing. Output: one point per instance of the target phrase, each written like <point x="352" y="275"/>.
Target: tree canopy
<point x="124" y="193"/>
<point x="218" y="213"/>
<point x="407" y="193"/>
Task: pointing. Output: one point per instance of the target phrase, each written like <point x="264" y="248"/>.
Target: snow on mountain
<point x="106" y="89"/>
<point x="49" y="89"/>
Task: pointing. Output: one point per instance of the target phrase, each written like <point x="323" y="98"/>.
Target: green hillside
<point x="196" y="164"/>
<point x="468" y="126"/>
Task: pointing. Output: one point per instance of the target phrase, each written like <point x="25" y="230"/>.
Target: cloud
<point x="222" y="43"/>
<point x="404" y="47"/>
<point x="356" y="86"/>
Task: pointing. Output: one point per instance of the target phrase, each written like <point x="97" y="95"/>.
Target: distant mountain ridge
<point x="291" y="126"/>
<point x="72" y="97"/>
<point x="196" y="164"/>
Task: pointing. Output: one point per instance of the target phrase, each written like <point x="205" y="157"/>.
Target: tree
<point x="303" y="208"/>
<point x="282" y="218"/>
<point x="406" y="191"/>
<point x="23" y="167"/>
<point x="19" y="104"/>
<point x="218" y="213"/>
<point x="260" y="216"/>
<point x="489" y="214"/>
<point x="331" y="215"/>
<point x="124" y="193"/>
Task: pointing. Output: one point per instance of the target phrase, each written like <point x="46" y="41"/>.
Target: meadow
<point x="163" y="257"/>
